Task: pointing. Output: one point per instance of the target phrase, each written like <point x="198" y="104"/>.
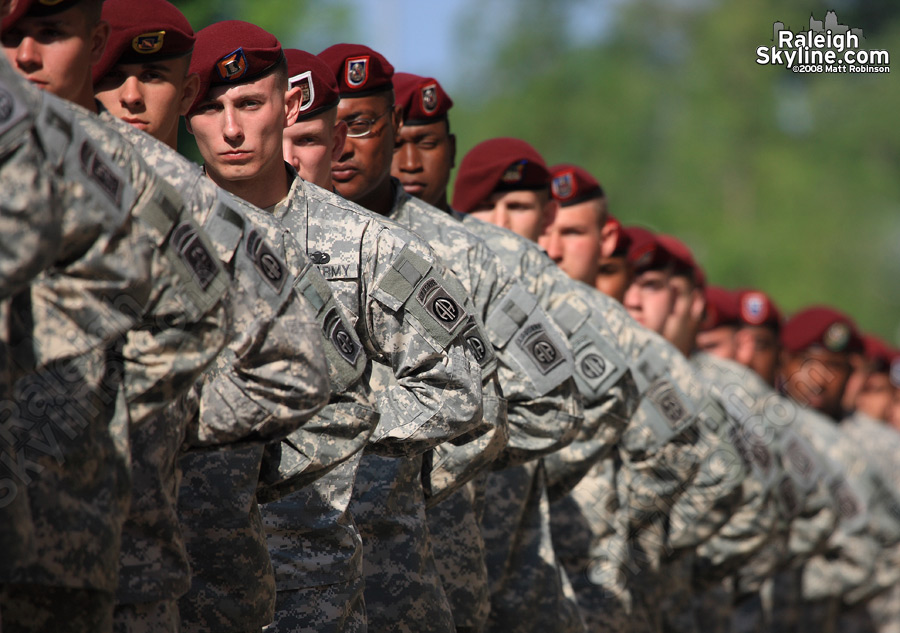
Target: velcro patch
<point x="536" y="343"/>
<point x="267" y="262"/>
<point x="667" y="401"/>
<point x="187" y="243"/>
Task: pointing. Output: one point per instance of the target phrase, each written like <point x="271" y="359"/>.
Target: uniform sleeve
<point x="30" y="207"/>
<point x="413" y="317"/>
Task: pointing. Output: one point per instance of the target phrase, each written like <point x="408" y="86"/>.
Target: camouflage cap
<point x="359" y="70"/>
<point x="232" y="53"/>
<point x="422" y="99"/>
<point x="317" y="83"/>
<point x="498" y="164"/>
<point x="143" y="32"/>
<point x="572" y="185"/>
<point x="820" y="326"/>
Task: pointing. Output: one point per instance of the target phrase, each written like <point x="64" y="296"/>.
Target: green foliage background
<point x="780" y="181"/>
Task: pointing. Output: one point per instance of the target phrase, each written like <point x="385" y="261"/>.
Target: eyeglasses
<point x="361" y="128"/>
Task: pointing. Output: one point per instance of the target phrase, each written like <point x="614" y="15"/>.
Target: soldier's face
<point x="523" y="212"/>
<point x="56" y="52"/>
<point x="816" y="378"/>
<point x="365" y="164"/>
<point x="573" y="240"/>
<point x="311" y="146"/>
<point x="613" y="277"/>
<point x="758" y="349"/>
<point x="423" y="158"/>
<point x="875" y="396"/>
<point x="718" y="341"/>
<point x="649" y="299"/>
<point x="239" y="129"/>
<point x="151" y="97"/>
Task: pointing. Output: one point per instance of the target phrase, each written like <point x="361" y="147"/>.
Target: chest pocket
<point x="413" y="285"/>
<point x="343" y="349"/>
<point x="598" y="365"/>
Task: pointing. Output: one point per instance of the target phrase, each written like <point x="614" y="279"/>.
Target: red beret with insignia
<point x="422" y="99"/>
<point x="498" y="164"/>
<point x="683" y="259"/>
<point x="757" y="308"/>
<point x="36" y="9"/>
<point x="232" y="53"/>
<point x="623" y="242"/>
<point x="721" y="308"/>
<point x="318" y="86"/>
<point x="143" y="32"/>
<point x="571" y="185"/>
<point x="359" y="70"/>
<point x="821" y="327"/>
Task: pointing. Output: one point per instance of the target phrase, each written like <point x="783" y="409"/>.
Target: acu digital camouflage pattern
<point x="680" y="474"/>
<point x="435" y="396"/>
<point x="271" y="382"/>
<point x="86" y="362"/>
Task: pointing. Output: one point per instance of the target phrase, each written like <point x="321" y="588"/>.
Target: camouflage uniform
<point x="544" y="406"/>
<point x="382" y="276"/>
<point x="131" y="263"/>
<point x="270" y="381"/>
<point x="680" y="474"/>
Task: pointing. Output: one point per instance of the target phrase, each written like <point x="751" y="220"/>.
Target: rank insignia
<point x="307" y="90"/>
<point x="753" y="308"/>
<point x="357" y="71"/>
<point x="836" y="337"/>
<point x="563" y="185"/>
<point x="232" y="66"/>
<point x="514" y="173"/>
<point x="148" y="43"/>
<point x="429" y="98"/>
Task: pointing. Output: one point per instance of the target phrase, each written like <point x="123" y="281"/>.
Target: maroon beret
<point x="821" y="327"/>
<point x="721" y="308"/>
<point x="682" y="258"/>
<point x="316" y="81"/>
<point x="143" y="32"/>
<point x="498" y="164"/>
<point x="757" y="308"/>
<point x="877" y="352"/>
<point x="231" y="53"/>
<point x="645" y="252"/>
<point x="36" y="9"/>
<point x="894" y="371"/>
<point x="422" y="99"/>
<point x="359" y="70"/>
<point x="623" y="242"/>
<point x="571" y="185"/>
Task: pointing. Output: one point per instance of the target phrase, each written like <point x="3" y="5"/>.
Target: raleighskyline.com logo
<point x="827" y="47"/>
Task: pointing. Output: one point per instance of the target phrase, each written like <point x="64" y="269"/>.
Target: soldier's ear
<point x="396" y="119"/>
<point x="340" y="137"/>
<point x="189" y="93"/>
<point x="609" y="235"/>
<point x="98" y="38"/>
<point x="293" y="99"/>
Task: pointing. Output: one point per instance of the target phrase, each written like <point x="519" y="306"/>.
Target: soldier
<point x="497" y="180"/>
<point x="267" y="385"/>
<point x="756" y="339"/>
<point x="137" y="294"/>
<point x="875" y="393"/>
<point x="317" y="138"/>
<point x="579" y="237"/>
<point x="543" y="409"/>
<point x="406" y="313"/>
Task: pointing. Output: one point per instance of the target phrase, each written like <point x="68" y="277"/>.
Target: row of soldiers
<point x="298" y="389"/>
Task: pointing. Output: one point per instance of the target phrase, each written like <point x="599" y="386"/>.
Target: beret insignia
<point x="357" y="71"/>
<point x="148" y="43"/>
<point x="563" y="185"/>
<point x="514" y="173"/>
<point x="232" y="66"/>
<point x="836" y="337"/>
<point x="307" y="90"/>
<point x="429" y="98"/>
